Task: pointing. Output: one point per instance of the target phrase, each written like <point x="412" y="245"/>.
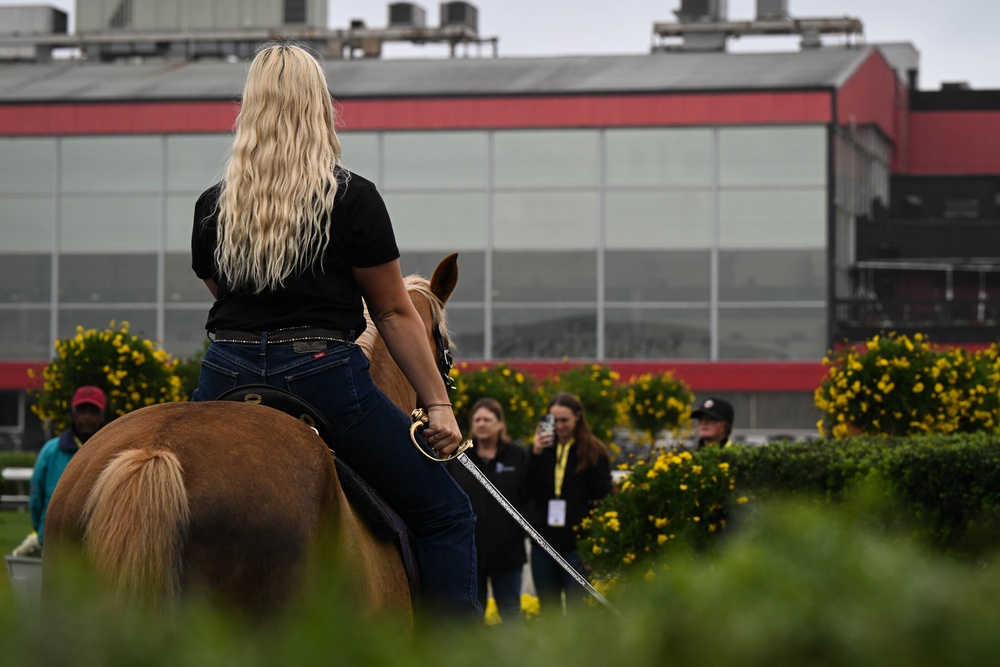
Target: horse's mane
<point x="414" y="284"/>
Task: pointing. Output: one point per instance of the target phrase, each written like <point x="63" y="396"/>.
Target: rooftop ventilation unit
<point x="460" y="13"/>
<point x="407" y="15"/>
<point x="702" y="11"/>
<point x="772" y="10"/>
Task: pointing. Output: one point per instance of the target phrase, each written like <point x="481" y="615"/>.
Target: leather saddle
<point x="381" y="519"/>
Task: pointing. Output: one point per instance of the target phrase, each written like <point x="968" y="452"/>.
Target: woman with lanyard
<point x="568" y="472"/>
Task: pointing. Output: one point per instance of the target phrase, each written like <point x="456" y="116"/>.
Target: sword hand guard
<point x="420" y="421"/>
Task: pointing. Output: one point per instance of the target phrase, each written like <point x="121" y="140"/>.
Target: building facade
<point x="693" y="211"/>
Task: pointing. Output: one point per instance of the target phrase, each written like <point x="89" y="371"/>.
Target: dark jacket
<point x="499" y="538"/>
<point x="581" y="491"/>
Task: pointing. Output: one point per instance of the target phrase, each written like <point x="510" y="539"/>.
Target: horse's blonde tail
<point x="137" y="516"/>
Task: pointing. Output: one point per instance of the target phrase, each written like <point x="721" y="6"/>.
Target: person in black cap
<point x="715" y="422"/>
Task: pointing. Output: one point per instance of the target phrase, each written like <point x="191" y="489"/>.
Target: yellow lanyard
<point x="562" y="458"/>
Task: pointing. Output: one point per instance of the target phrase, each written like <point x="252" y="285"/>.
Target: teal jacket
<point x="52" y="459"/>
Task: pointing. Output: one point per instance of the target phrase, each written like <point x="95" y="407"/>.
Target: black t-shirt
<point x="360" y="236"/>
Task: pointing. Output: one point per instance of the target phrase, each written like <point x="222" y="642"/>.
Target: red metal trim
<point x="117" y="118"/>
<point x="433" y="114"/>
<point x="588" y="111"/>
<point x="14" y="374"/>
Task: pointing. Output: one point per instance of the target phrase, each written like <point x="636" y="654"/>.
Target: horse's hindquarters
<point x="237" y="499"/>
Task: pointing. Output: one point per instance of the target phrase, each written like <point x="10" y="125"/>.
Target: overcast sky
<point x="957" y="39"/>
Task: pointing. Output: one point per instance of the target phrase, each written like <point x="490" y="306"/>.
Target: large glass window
<point x="657" y="276"/>
<point x="657" y="333"/>
<point x="772" y="275"/>
<point x="184" y="331"/>
<point x="142" y="321"/>
<point x="180" y="283"/>
<point x="772" y="156"/>
<point x="27" y="165"/>
<point x="28" y="224"/>
<point x="658" y="157"/>
<point x="25" y="278"/>
<point x="647" y="220"/>
<point x="772" y="218"/>
<point x="428" y="221"/>
<point x="471" y="271"/>
<point x="533" y="220"/>
<point x="544" y="333"/>
<point x="180" y="222"/>
<point x="359" y="153"/>
<point x="772" y="333"/>
<point x="24" y="333"/>
<point x="525" y="205"/>
<point x="467" y="335"/>
<point x="196" y="161"/>
<point x="435" y="160"/>
<point x="92" y="278"/>
<point x="110" y="224"/>
<point x="545" y="275"/>
<point x="111" y="164"/>
<point x="545" y="158"/>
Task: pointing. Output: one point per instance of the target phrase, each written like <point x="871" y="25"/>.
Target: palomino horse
<point x="229" y="500"/>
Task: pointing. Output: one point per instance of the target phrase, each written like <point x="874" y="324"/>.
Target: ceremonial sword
<point x="420" y="420"/>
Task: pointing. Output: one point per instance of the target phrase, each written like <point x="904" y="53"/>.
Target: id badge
<point x="557" y="512"/>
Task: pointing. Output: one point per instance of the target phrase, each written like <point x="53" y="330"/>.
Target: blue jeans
<point x="506" y="591"/>
<point x="372" y="437"/>
<point x="551" y="580"/>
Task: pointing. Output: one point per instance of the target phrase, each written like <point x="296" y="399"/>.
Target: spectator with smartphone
<point x="499" y="538"/>
<point x="569" y="471"/>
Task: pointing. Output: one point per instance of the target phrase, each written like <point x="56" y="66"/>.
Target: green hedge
<point x="945" y="488"/>
<point x="942" y="491"/>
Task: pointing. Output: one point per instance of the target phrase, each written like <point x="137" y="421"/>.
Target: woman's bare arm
<point x="405" y="337"/>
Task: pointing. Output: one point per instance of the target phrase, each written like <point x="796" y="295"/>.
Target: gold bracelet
<point x="437" y="405"/>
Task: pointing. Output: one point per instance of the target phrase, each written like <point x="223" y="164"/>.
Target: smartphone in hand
<point x="547" y="429"/>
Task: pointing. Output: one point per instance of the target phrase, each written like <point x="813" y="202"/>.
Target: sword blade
<point x="535" y="535"/>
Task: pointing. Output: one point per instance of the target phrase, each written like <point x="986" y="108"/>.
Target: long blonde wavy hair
<point x="280" y="184"/>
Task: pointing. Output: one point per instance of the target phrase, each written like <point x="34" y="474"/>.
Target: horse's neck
<point x="387" y="377"/>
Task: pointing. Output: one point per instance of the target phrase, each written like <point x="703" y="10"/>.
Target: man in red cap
<point x="88" y="408"/>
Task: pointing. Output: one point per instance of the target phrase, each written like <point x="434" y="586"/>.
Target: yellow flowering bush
<point x="898" y="387"/>
<point x="517" y="392"/>
<point x="131" y="370"/>
<point x="598" y="388"/>
<point x="654" y="402"/>
<point x="679" y="498"/>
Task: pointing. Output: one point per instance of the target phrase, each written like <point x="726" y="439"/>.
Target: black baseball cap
<point x="715" y="408"/>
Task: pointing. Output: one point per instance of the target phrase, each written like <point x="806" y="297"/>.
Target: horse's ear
<point x="445" y="277"/>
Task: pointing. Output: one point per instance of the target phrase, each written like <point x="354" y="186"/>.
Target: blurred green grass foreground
<point x="799" y="584"/>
